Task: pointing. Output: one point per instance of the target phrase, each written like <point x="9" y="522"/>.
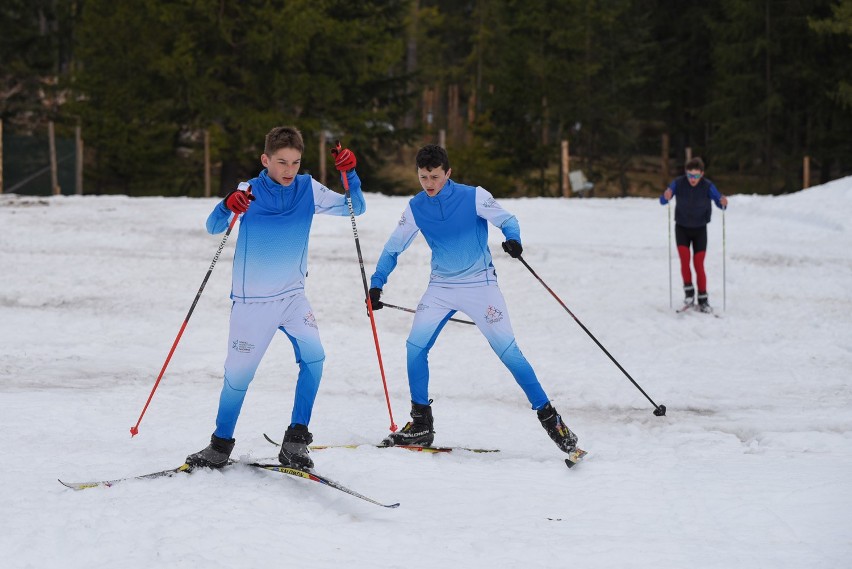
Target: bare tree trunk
<point x="411" y="55"/>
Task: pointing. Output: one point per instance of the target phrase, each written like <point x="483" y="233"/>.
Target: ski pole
<point x="134" y="430"/>
<point x="659" y="410"/>
<point x="415" y="312"/>
<point x="724" y="279"/>
<point x="669" y="206"/>
<point x="348" y="196"/>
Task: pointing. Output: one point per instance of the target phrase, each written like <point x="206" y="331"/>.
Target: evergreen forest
<point x="168" y="93"/>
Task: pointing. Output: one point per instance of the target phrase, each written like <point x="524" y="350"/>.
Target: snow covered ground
<point x="750" y="467"/>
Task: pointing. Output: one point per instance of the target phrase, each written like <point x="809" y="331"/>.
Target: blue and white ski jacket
<point x="455" y="225"/>
<point x="271" y="257"/>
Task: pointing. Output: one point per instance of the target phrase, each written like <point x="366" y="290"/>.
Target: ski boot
<point x="216" y="454"/>
<point x="703" y="305"/>
<point x="558" y="431"/>
<point x="419" y="431"/>
<point x="688" y="295"/>
<point x="294" y="448"/>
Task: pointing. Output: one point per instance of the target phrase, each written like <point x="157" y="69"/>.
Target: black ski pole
<point x="415" y="312"/>
<point x="659" y="410"/>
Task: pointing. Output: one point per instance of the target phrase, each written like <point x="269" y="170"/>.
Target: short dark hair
<point x="695" y="164"/>
<point x="283" y="137"/>
<point x="432" y="156"/>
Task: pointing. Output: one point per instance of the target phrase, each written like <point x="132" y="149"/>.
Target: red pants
<point x="686" y="273"/>
<point x="697" y="238"/>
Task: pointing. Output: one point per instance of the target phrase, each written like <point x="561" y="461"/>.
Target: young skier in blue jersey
<point x="694" y="193"/>
<point x="453" y="219"/>
<point x="268" y="286"/>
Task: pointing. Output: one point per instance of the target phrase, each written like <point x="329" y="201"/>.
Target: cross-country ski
<point x="187" y="469"/>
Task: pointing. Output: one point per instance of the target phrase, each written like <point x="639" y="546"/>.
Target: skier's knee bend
<point x="511" y="353"/>
<point x="238" y="381"/>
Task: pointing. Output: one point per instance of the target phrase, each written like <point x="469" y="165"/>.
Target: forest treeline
<point x="752" y="86"/>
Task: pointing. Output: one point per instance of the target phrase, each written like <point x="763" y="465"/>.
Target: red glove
<point x="344" y="159"/>
<point x="238" y="201"/>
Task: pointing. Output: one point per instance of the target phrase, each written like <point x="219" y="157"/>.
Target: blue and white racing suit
<point x="454" y="223"/>
<point x="268" y="286"/>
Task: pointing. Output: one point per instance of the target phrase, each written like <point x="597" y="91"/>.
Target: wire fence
<point x="26" y="164"/>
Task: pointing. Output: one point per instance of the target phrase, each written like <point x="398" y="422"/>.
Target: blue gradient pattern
<point x="455" y="225"/>
<point x="271" y="255"/>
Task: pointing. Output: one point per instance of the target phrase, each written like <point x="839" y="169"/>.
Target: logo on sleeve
<point x="402" y="220"/>
<point x="490" y="202"/>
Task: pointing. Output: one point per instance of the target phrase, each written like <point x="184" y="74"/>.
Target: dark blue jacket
<point x="692" y="207"/>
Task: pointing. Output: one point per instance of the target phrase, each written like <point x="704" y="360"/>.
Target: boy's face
<point x="432" y="180"/>
<point x="282" y="165"/>
<point x="694" y="176"/>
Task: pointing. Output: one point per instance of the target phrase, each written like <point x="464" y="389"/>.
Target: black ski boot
<point x="558" y="431"/>
<point x="703" y="305"/>
<point x="216" y="454"/>
<point x="419" y="431"/>
<point x="688" y="295"/>
<point x="294" y="448"/>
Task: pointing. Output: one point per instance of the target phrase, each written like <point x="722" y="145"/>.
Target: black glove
<point x="513" y="248"/>
<point x="375" y="294"/>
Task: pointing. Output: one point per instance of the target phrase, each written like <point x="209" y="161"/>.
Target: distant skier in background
<point x="453" y="219"/>
<point x="268" y="288"/>
<point x="693" y="209"/>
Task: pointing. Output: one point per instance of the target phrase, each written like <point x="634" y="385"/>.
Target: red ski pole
<point x="134" y="430"/>
<point x="393" y="426"/>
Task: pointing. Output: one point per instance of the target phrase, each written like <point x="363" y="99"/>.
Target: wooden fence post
<point x="566" y="164"/>
<point x="206" y="162"/>
<point x="806" y="173"/>
<point x="323" y="174"/>
<point x="78" y="166"/>
<point x="664" y="156"/>
<point x="54" y="178"/>
<point x="1" y="156"/>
